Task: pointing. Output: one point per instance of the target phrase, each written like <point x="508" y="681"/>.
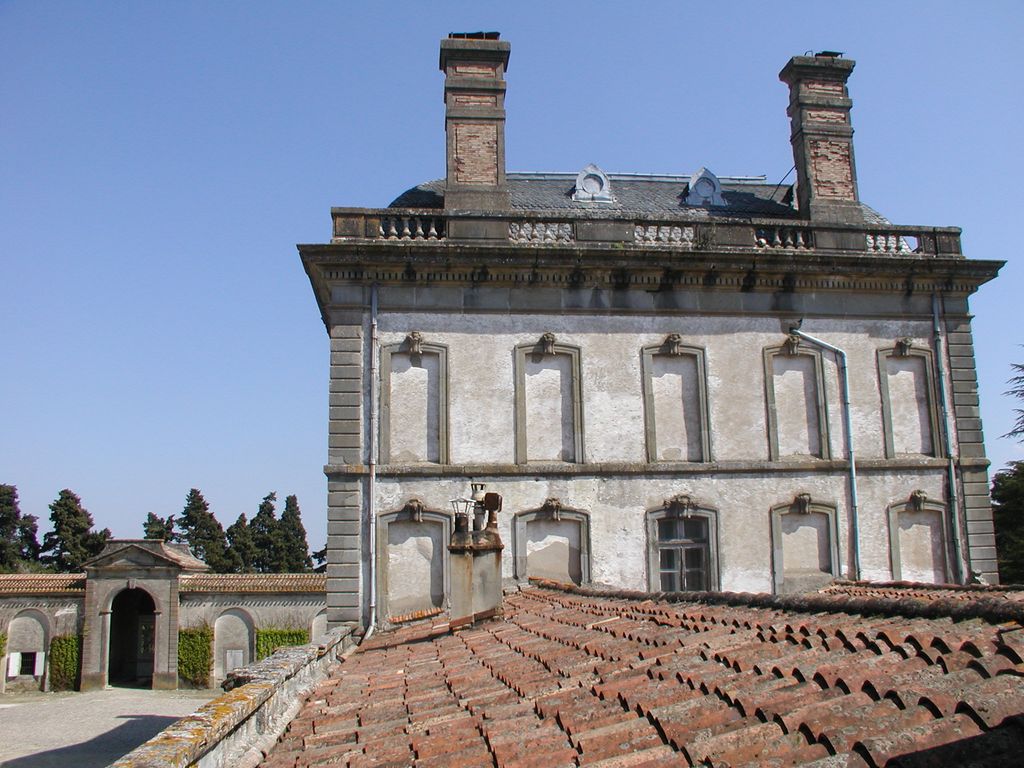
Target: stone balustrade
<point x="406" y="225"/>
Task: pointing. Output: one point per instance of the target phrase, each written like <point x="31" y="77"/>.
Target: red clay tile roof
<point x="253" y="582"/>
<point x="42" y="583"/>
<point x="904" y="589"/>
<point x="582" y="678"/>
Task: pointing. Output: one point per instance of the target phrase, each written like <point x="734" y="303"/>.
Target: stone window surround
<point x="413" y="511"/>
<point x="917" y="502"/>
<point x="552" y="509"/>
<point x="552" y="348"/>
<point x="904" y="349"/>
<point x="681" y="506"/>
<point x="424" y="348"/>
<point x="647" y="355"/>
<point x="791" y="349"/>
<point x="802" y="504"/>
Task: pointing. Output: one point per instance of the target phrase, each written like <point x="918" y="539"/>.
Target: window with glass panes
<point x="683" y="553"/>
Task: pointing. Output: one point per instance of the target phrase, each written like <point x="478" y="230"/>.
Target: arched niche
<point x="909" y="401"/>
<point x="28" y="642"/>
<point x="676" y="420"/>
<point x="795" y="401"/>
<point x="918" y="539"/>
<point x="234" y="636"/>
<point x="552" y="542"/>
<point x="414" y="402"/>
<point x="412" y="557"/>
<point x="805" y="548"/>
<point x="548" y="402"/>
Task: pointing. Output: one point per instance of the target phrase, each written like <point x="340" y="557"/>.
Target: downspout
<point x="959" y="570"/>
<point x="848" y="428"/>
<point x="371" y="442"/>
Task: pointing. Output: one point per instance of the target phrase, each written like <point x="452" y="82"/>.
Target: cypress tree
<point x="10" y="517"/>
<point x="1008" y="517"/>
<point x="265" y="528"/>
<point x="72" y="540"/>
<point x="294" y="546"/>
<point x="240" y="544"/>
<point x="203" y="534"/>
<point x="158" y="527"/>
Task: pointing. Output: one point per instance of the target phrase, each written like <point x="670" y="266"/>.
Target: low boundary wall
<point x="236" y="729"/>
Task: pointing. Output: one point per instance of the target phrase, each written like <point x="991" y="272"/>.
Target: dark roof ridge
<point x="992" y="610"/>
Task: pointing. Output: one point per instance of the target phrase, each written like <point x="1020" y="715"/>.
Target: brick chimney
<point x="822" y="137"/>
<point x="474" y="65"/>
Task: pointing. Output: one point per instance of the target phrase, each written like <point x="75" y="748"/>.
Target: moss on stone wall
<point x="195" y="655"/>
<point x="65" y="662"/>
<point x="3" y="646"/>
<point x="270" y="639"/>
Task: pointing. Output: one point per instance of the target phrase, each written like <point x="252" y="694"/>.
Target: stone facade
<point x="652" y="371"/>
<point x="129" y="607"/>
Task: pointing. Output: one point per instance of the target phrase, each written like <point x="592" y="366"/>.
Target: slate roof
<point x="41" y="583"/>
<point x="254" y="582"/>
<point x="582" y="678"/>
<point x="634" y="195"/>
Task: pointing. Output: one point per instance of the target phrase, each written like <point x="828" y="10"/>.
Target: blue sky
<point x="161" y="161"/>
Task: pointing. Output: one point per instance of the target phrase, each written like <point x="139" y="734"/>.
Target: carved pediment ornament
<point x="553" y="506"/>
<point x="673" y="344"/>
<point x="680" y="504"/>
<point x="903" y="347"/>
<point x="414" y="507"/>
<point x="802" y="503"/>
<point x="547" y="343"/>
<point x="792" y="344"/>
<point x="917" y="500"/>
<point x="414" y="343"/>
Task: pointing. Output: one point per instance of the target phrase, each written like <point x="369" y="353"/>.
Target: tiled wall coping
<point x="236" y="728"/>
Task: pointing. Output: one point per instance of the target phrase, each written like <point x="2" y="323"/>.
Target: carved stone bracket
<point x="917" y="500"/>
<point x="415" y="508"/>
<point x="673" y="344"/>
<point x="414" y="343"/>
<point x="546" y="343"/>
<point x="903" y="347"/>
<point x="802" y="503"/>
<point x="791" y="346"/>
<point x="680" y="504"/>
<point x="553" y="506"/>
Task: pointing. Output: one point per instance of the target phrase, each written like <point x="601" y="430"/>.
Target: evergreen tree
<point x="1008" y="516"/>
<point x="203" y="534"/>
<point x="28" y="539"/>
<point x="10" y="518"/>
<point x="265" y="527"/>
<point x="295" y="548"/>
<point x="158" y="527"/>
<point x="320" y="560"/>
<point x="72" y="540"/>
<point x="240" y="544"/>
<point x="1016" y="389"/>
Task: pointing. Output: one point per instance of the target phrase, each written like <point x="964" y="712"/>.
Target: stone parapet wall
<point x="238" y="728"/>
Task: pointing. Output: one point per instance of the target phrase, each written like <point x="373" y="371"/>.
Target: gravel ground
<point x="86" y="730"/>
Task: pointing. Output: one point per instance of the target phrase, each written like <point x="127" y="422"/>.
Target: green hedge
<point x="3" y="648"/>
<point x="269" y="640"/>
<point x="65" y="662"/>
<point x="195" y="655"/>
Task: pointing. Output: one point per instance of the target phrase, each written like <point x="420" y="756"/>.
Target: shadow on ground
<point x="99" y="751"/>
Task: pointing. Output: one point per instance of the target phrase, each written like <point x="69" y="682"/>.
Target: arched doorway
<point x="132" y="631"/>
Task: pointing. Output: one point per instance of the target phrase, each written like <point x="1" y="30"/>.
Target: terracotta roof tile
<point x="564" y="678"/>
<point x="254" y="582"/>
<point x="42" y="583"/>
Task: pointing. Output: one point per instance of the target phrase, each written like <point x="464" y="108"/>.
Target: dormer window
<point x="705" y="189"/>
<point x="592" y="186"/>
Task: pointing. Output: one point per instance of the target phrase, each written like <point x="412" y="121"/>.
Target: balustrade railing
<point x="541" y="232"/>
<point x="890" y="242"/>
<point x="665" y="234"/>
<point x="798" y="238"/>
<point x="411" y="227"/>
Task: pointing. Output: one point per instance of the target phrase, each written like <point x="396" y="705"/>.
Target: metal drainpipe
<point x="845" y="386"/>
<point x="371" y="443"/>
<point x="960" y="571"/>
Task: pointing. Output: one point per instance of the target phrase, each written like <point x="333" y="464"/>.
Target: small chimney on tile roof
<point x="822" y="137"/>
<point x="474" y="65"/>
<point x="475" y="557"/>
